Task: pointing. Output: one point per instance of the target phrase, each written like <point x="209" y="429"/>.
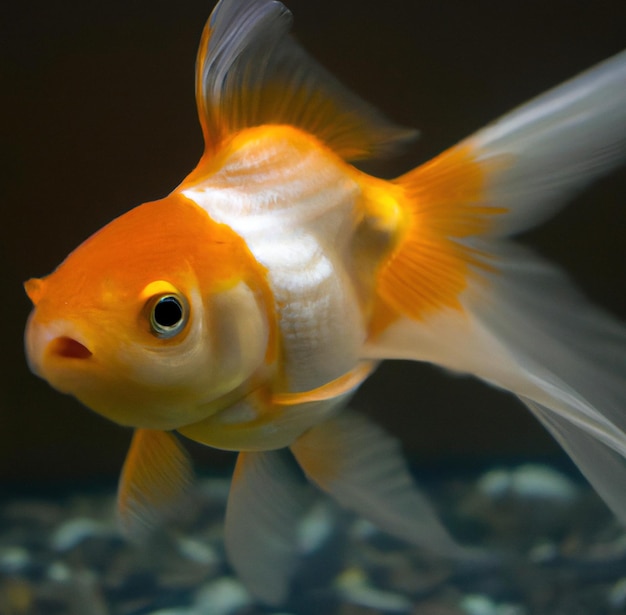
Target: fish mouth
<point x="54" y="346"/>
<point x="68" y="348"/>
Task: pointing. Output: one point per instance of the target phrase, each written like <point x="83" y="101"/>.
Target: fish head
<point x="153" y="319"/>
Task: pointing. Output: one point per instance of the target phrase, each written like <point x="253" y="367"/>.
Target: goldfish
<point x="244" y="309"/>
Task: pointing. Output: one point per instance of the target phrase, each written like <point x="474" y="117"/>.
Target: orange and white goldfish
<point x="243" y="309"/>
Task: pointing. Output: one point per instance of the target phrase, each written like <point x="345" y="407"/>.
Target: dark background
<point x="98" y="115"/>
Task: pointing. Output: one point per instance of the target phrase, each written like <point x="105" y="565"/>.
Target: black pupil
<point x="168" y="312"/>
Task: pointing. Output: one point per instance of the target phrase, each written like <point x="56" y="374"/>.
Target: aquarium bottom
<point x="550" y="546"/>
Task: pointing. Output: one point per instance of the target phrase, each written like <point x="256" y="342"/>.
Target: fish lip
<point x="48" y="344"/>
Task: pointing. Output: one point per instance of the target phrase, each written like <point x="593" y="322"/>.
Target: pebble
<point x="59" y="572"/>
<point x="14" y="559"/>
<point x="529" y="481"/>
<point x="511" y="609"/>
<point x="523" y="504"/>
<point x="72" y="533"/>
<point x="17" y="596"/>
<point x="196" y="551"/>
<point x="354" y="587"/>
<point x="223" y="596"/>
<point x="544" y="553"/>
<point x="316" y="528"/>
<point x="476" y="604"/>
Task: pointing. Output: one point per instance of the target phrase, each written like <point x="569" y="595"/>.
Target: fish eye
<point x="168" y="315"/>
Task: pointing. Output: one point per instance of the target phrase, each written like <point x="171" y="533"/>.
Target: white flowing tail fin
<point x="555" y="144"/>
<point x="460" y="295"/>
<point x="525" y="329"/>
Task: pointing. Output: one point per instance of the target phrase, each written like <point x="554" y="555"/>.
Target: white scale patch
<point x="296" y="221"/>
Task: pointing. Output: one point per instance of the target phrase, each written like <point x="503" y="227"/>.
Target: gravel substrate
<point x="555" y="550"/>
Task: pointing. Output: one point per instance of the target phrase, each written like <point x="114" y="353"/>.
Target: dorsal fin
<point x="251" y="72"/>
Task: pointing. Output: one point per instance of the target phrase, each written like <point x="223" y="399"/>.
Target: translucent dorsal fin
<point x="251" y="72"/>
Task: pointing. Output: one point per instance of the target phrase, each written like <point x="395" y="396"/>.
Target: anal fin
<point x="362" y="467"/>
<point x="267" y="500"/>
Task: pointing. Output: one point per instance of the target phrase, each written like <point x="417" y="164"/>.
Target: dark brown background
<point x="98" y="115"/>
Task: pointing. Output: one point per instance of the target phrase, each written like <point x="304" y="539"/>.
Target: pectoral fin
<point x="344" y="385"/>
<point x="363" y="469"/>
<point x="156" y="476"/>
<point x="266" y="500"/>
<point x="267" y="420"/>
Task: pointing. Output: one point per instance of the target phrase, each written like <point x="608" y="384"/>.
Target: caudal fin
<point x="466" y="298"/>
<point x="524" y="328"/>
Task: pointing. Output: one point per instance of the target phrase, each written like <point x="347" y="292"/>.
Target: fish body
<point x="245" y="308"/>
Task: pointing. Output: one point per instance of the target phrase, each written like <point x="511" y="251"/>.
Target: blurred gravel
<point x="555" y="550"/>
